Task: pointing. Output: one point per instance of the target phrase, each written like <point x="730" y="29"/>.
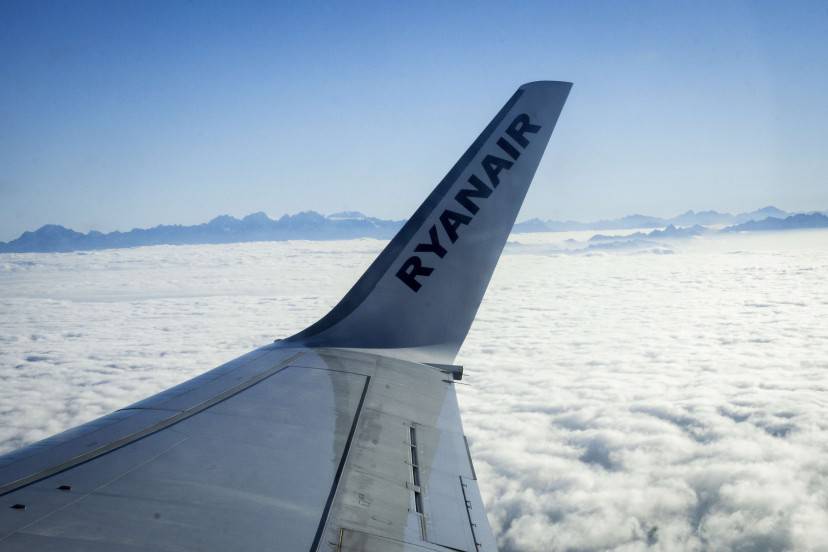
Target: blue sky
<point x="122" y="114"/>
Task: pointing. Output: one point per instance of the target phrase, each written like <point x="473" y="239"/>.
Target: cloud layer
<point x="619" y="400"/>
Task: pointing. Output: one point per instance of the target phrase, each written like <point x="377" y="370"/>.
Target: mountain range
<point x="688" y="218"/>
<point x="793" y="222"/>
<point x="310" y="225"/>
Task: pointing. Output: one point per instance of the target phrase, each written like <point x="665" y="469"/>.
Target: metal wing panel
<point x="290" y="449"/>
<point x="41" y="459"/>
<point x="254" y="471"/>
<point x="118" y="428"/>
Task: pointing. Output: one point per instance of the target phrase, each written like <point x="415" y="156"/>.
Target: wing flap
<point x="483" y="537"/>
<point x="401" y="488"/>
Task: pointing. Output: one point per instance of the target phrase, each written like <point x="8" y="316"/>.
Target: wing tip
<point x="546" y="84"/>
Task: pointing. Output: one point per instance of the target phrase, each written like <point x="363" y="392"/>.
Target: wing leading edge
<point x="339" y="438"/>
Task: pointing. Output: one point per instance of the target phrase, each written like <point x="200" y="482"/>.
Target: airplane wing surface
<point x="344" y="437"/>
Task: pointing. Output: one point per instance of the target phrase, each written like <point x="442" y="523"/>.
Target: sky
<point x="116" y="115"/>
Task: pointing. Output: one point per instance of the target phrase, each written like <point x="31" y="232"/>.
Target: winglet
<point x="422" y="292"/>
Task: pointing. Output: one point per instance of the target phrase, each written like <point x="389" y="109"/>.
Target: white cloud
<point x="618" y="400"/>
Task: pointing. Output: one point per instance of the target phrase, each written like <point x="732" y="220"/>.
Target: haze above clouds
<point x="670" y="396"/>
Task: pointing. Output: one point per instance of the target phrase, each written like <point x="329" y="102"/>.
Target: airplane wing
<point x="344" y="437"/>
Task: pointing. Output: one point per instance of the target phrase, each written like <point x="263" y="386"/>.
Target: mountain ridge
<point x="311" y="225"/>
<point x="308" y="225"/>
<point x="688" y="218"/>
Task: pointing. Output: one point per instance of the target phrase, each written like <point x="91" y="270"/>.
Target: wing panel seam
<point x="341" y="468"/>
